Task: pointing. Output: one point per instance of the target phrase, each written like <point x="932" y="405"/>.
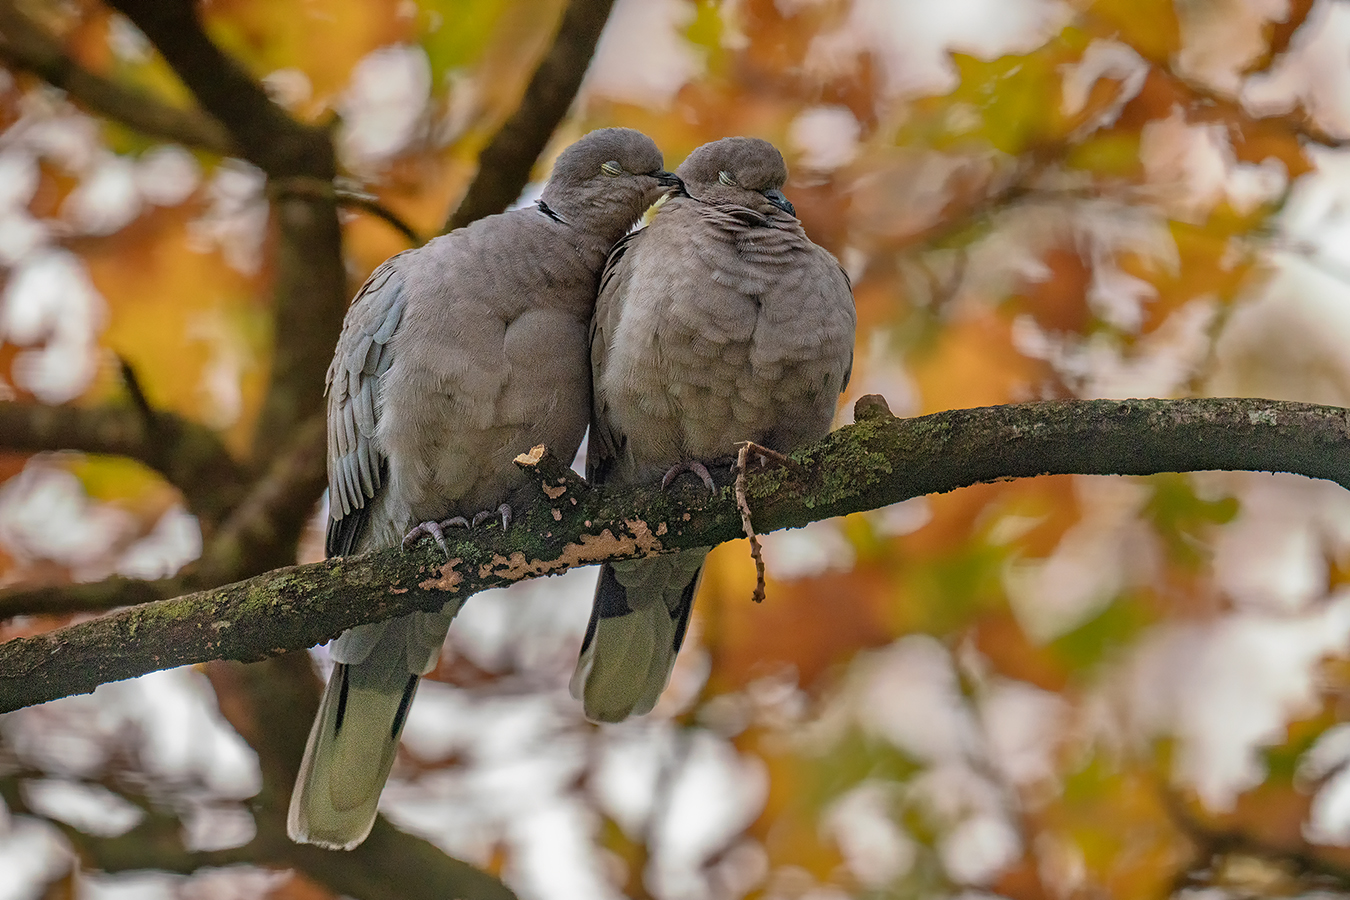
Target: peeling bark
<point x="877" y="461"/>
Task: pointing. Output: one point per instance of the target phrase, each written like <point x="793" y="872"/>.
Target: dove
<point x="453" y="358"/>
<point x="719" y="322"/>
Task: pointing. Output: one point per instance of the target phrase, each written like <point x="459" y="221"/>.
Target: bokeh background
<point x="1048" y="688"/>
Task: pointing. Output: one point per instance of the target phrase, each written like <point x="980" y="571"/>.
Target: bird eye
<point x="726" y="178"/>
<point x="611" y="168"/>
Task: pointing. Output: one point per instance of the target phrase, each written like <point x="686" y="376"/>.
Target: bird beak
<point x="776" y="197"/>
<point x="671" y="180"/>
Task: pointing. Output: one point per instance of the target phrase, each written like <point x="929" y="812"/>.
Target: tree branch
<point x="878" y="461"/>
<point x="259" y="533"/>
<point x="390" y="864"/>
<point x="92" y="596"/>
<point x="262" y="531"/>
<point x="271" y="705"/>
<point x="264" y="133"/>
<point x="189" y="455"/>
<point x="504" y="165"/>
<point x="310" y="286"/>
<point x="24" y="44"/>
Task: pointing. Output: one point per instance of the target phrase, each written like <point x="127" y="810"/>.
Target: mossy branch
<point x="877" y="461"/>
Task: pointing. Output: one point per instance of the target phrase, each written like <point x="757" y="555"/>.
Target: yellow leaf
<point x="1151" y="27"/>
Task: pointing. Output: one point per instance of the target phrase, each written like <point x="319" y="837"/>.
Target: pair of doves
<point x="717" y="323"/>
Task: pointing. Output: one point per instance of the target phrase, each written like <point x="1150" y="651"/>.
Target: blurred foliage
<point x="1060" y="220"/>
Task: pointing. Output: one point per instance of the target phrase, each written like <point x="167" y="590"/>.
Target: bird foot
<point x="693" y="466"/>
<point x="488" y="514"/>
<point x="436" y="530"/>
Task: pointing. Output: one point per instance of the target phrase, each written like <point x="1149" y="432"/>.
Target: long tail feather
<point x="354" y="740"/>
<point x="638" y="622"/>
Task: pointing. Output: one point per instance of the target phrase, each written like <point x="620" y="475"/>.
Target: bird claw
<point x="437" y="532"/>
<point x="488" y="514"/>
<point x="693" y="466"/>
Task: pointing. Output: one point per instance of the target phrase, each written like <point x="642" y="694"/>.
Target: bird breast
<point x="723" y="346"/>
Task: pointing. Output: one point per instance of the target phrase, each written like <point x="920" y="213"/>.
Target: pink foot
<point x="694" y="466"/>
<point x="437" y="532"/>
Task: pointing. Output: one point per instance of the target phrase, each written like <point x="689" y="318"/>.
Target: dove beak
<point x="671" y="180"/>
<point x="776" y="197"/>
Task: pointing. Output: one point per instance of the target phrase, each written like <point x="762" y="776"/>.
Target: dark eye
<point x="726" y="178"/>
<point x="611" y="168"/>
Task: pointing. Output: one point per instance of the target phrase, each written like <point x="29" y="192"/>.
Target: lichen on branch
<point x="877" y="461"/>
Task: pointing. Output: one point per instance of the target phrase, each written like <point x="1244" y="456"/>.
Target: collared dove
<point x="454" y="358"/>
<point x="719" y="322"/>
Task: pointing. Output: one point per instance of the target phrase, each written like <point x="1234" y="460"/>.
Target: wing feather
<point x="604" y="444"/>
<point x="356" y="469"/>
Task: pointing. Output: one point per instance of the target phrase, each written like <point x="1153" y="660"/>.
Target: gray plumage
<point x="719" y="322"/>
<point x="453" y="359"/>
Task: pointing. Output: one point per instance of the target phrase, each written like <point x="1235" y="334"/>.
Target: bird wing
<point x="356" y="469"/>
<point x="605" y="442"/>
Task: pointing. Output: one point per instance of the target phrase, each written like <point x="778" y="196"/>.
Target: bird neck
<point x="598" y="221"/>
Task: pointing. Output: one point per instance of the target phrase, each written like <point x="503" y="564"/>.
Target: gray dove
<point x="719" y="322"/>
<point x="454" y="358"/>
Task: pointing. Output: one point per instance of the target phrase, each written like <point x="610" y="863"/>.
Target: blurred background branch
<point x="189" y="455"/>
<point x="25" y="45"/>
<point x="310" y="281"/>
<point x="505" y="163"/>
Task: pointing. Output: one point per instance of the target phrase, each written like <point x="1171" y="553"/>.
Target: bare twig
<point x="504" y="165"/>
<point x="137" y="394"/>
<point x="353" y="200"/>
<point x="310" y="284"/>
<point x="1215" y="844"/>
<point x="1215" y="106"/>
<point x="314" y="189"/>
<point x="189" y="455"/>
<point x="743" y="504"/>
<point x="24" y="44"/>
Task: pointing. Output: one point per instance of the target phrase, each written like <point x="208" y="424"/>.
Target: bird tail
<point x="354" y="739"/>
<point x="638" y="622"/>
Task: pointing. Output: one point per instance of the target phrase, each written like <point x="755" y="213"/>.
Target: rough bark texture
<point x="877" y="461"/>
